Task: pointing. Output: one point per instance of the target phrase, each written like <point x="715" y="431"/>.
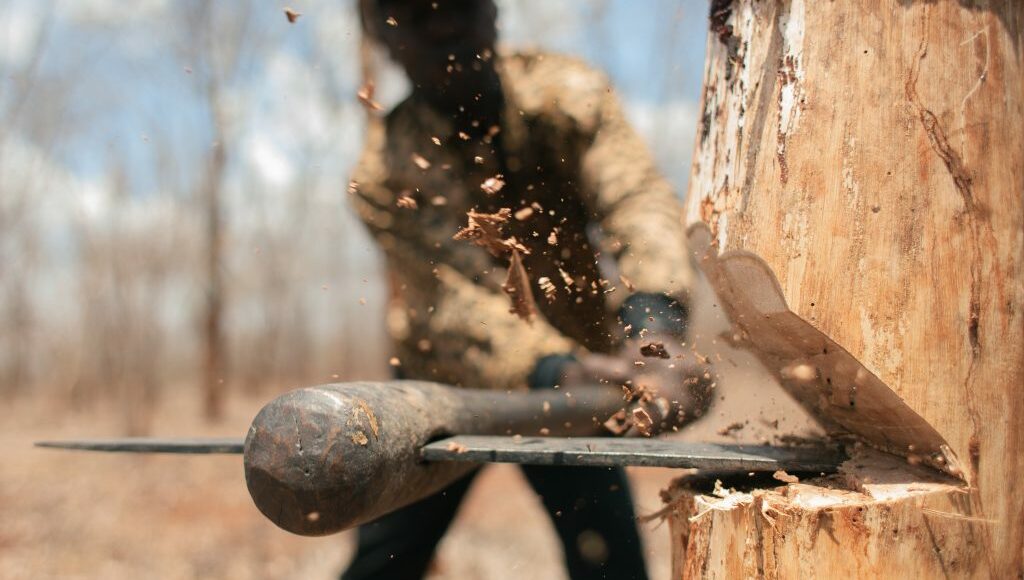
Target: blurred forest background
<point x="173" y="180"/>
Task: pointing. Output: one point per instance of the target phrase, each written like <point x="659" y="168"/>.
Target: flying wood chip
<point x="291" y="15"/>
<point x="485" y="230"/>
<point x="365" y="96"/>
<point x="517" y="286"/>
<point x="493" y="185"/>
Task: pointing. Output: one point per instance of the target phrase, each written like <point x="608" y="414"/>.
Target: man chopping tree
<point x="530" y="242"/>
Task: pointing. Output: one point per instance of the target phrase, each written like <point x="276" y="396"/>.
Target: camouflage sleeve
<point x="637" y="207"/>
<point x="475" y="341"/>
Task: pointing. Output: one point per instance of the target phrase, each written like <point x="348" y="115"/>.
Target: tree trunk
<point x="856" y="201"/>
<point x="214" y="352"/>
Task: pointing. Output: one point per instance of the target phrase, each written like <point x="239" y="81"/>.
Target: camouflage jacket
<point x="602" y="222"/>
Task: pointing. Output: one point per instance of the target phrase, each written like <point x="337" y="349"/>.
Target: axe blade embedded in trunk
<point x="323" y="459"/>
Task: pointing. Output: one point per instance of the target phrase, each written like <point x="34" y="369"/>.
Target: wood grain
<point x="870" y="155"/>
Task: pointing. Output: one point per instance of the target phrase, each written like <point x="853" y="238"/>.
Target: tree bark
<point x="856" y="201"/>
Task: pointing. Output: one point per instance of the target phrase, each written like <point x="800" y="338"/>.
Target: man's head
<point x="445" y="46"/>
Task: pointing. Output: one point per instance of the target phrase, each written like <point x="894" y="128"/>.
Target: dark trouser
<point x="590" y="507"/>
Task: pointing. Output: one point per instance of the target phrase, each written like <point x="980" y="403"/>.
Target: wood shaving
<point x="493" y="185"/>
<point x="785" y="477"/>
<point x="566" y="278"/>
<point x="406" y="201"/>
<point x="524" y="213"/>
<point x="548" y="288"/>
<point x="391" y="21"/>
<point x="731" y="427"/>
<point x="359" y="438"/>
<point x="617" y="423"/>
<point x="517" y="286"/>
<point x="463" y="135"/>
<point x="291" y="15"/>
<point x="553" y="238"/>
<point x="456" y="447"/>
<point x="436" y="141"/>
<point x="642" y="421"/>
<point x="420" y="161"/>
<point x="485" y="230"/>
<point x="654" y="350"/>
<point x="628" y="283"/>
<point x="365" y="96"/>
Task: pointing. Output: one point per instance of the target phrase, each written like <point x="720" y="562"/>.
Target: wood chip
<point x="291" y="15"/>
<point x="785" y="477"/>
<point x="456" y="447"/>
<point x="436" y="141"/>
<point x="517" y="286"/>
<point x="406" y="201"/>
<point x="731" y="427"/>
<point x="642" y="421"/>
<point x="553" y="237"/>
<point x="485" y="230"/>
<point x="420" y="161"/>
<point x="548" y="288"/>
<point x="524" y="213"/>
<point x="492" y="185"/>
<point x="654" y="350"/>
<point x="391" y="21"/>
<point x="627" y="282"/>
<point x="365" y="96"/>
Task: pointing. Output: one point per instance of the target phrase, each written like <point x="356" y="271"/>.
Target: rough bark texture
<point x="856" y="196"/>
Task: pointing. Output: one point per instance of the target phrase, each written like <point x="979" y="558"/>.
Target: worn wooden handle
<point x="323" y="459"/>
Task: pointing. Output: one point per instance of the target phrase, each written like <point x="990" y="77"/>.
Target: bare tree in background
<point x="217" y="41"/>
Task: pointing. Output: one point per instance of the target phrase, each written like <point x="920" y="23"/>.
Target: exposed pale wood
<point x="868" y="157"/>
<point x="879" y="519"/>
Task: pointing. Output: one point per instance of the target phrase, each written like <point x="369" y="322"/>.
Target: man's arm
<point x="638" y="210"/>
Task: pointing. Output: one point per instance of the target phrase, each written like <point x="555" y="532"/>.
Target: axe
<point x="323" y="459"/>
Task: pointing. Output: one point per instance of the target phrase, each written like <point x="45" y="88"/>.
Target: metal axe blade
<point x="151" y="445"/>
<point x="615" y="452"/>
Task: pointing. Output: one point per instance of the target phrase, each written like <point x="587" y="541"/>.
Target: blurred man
<point x="537" y="146"/>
